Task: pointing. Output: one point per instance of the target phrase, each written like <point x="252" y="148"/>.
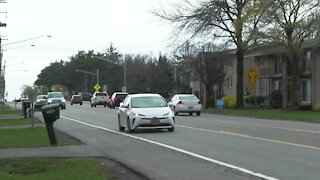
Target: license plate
<point x="190" y="107"/>
<point x="155" y="122"/>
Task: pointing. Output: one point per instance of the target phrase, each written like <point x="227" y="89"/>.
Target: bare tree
<point x="291" y="22"/>
<point x="234" y="21"/>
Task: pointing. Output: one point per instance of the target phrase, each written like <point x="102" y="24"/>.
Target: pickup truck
<point x="99" y="98"/>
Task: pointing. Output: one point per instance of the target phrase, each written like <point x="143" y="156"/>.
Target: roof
<point x="145" y="95"/>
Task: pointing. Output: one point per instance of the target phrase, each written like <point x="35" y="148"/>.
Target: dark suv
<point x="117" y="98"/>
<point x="85" y="96"/>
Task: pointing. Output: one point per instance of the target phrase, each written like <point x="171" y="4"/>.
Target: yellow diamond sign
<point x="97" y="87"/>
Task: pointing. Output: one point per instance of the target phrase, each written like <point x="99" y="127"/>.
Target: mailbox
<point x="25" y="106"/>
<point x="50" y="114"/>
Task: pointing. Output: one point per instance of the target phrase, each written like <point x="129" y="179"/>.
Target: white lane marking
<point x="179" y="150"/>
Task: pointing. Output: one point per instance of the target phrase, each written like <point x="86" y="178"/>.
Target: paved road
<point x="279" y="149"/>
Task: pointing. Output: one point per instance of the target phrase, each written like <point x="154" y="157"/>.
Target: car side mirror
<point x="123" y="105"/>
<point x="170" y="103"/>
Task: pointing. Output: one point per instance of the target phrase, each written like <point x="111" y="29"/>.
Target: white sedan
<point x="145" y="111"/>
<point x="185" y="103"/>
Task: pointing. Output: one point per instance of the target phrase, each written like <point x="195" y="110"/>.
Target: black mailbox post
<point x="25" y="106"/>
<point x="50" y="114"/>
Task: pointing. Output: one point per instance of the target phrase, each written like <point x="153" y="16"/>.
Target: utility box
<point x="50" y="114"/>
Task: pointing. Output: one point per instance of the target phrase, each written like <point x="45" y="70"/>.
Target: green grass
<point x="28" y="137"/>
<point x="15" y="122"/>
<point x="52" y="168"/>
<point x="5" y="110"/>
<point x="306" y="116"/>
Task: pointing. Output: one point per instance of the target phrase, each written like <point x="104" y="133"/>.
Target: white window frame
<point x="277" y="85"/>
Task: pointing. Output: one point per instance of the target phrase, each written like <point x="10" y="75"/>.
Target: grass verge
<point x="53" y="168"/>
<point x="6" y="110"/>
<point x="305" y="116"/>
<point x="28" y="137"/>
<point x="15" y="122"/>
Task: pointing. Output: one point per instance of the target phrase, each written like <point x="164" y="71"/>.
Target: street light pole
<point x="124" y="69"/>
<point x="93" y="74"/>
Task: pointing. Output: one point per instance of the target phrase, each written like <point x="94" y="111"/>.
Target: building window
<point x="306" y="62"/>
<point x="277" y="85"/>
<point x="306" y="90"/>
<point x="277" y="65"/>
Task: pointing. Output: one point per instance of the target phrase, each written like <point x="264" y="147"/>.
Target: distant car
<point x="99" y="98"/>
<point x="85" y="96"/>
<point x="145" y="111"/>
<point x="117" y="98"/>
<point x="76" y="99"/>
<point x="185" y="103"/>
<point x="40" y="101"/>
<point x="56" y="98"/>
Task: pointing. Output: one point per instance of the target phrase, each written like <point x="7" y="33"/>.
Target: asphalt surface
<point x="150" y="161"/>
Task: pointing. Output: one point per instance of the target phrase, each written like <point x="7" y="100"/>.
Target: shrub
<point x="317" y="107"/>
<point x="252" y="100"/>
<point x="229" y="101"/>
<point x="276" y="99"/>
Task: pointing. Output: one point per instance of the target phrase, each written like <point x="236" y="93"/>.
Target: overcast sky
<point x="74" y="25"/>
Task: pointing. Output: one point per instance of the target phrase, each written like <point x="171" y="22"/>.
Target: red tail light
<point x="180" y="102"/>
<point x="116" y="98"/>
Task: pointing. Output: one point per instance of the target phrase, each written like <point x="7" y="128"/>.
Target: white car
<point x="56" y="98"/>
<point x="145" y="111"/>
<point x="40" y="101"/>
<point x="185" y="103"/>
<point x="99" y="98"/>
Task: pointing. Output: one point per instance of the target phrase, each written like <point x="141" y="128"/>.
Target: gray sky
<point x="75" y="25"/>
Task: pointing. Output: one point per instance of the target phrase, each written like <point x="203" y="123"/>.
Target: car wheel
<point x="171" y="129"/>
<point x="190" y="113"/>
<point x="95" y="105"/>
<point x="129" y="126"/>
<point x="81" y="104"/>
<point x="71" y="104"/>
<point x="198" y="113"/>
<point x="105" y="105"/>
<point x="91" y="105"/>
<point x="121" y="128"/>
<point x="174" y="110"/>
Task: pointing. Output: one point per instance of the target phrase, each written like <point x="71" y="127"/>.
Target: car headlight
<point x="63" y="100"/>
<point x="137" y="114"/>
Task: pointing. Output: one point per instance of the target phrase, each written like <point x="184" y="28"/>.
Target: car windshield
<point x="55" y="95"/>
<point x="188" y="98"/>
<point x="101" y="94"/>
<point x="148" y="102"/>
<point x="42" y="97"/>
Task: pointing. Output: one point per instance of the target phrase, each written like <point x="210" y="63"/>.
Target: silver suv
<point x="56" y="98"/>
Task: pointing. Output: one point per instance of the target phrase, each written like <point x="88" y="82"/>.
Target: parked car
<point x="185" y="103"/>
<point x="99" y="98"/>
<point x="76" y="99"/>
<point x="85" y="96"/>
<point x="56" y="98"/>
<point x="40" y="101"/>
<point x="117" y="98"/>
<point x="145" y="111"/>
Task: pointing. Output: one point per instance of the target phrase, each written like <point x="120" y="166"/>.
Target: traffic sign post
<point x="253" y="75"/>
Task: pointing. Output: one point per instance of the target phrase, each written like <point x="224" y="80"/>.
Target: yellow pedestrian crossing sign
<point x="97" y="87"/>
<point x="252" y="74"/>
